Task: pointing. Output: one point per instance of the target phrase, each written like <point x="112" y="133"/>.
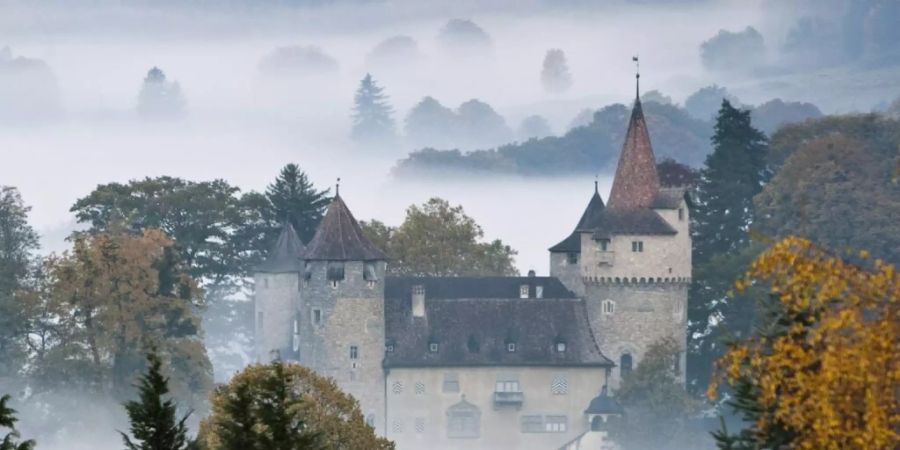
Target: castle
<point x="488" y="362"/>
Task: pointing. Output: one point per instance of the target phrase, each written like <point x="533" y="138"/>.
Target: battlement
<point x="637" y="281"/>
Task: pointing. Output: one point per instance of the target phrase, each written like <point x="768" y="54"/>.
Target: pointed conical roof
<point x="285" y="254"/>
<point x="636" y="183"/>
<point x="339" y="237"/>
<point x="589" y="221"/>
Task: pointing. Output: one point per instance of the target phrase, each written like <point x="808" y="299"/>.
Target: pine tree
<point x="734" y="174"/>
<point x="8" y="420"/>
<point x="153" y="422"/>
<point x="160" y="98"/>
<point x="295" y="199"/>
<point x="372" y="115"/>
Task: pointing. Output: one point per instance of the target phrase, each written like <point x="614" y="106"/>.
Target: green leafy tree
<point x="656" y="404"/>
<point x="154" y="425"/>
<point x="555" y="75"/>
<point x="372" y="115"/>
<point x="281" y="406"/>
<point x="295" y="199"/>
<point x="8" y="420"/>
<point x="17" y="242"/>
<point x="724" y="211"/>
<point x="437" y="239"/>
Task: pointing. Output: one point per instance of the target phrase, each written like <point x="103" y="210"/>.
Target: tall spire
<point x="339" y="237"/>
<point x="636" y="183"/>
<point x="637" y="77"/>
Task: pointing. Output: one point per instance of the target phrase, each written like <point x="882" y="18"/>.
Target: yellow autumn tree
<point x="824" y="371"/>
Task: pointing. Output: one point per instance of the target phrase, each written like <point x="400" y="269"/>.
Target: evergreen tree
<point x="734" y="174"/>
<point x="153" y="422"/>
<point x="295" y="199"/>
<point x="8" y="420"/>
<point x="372" y="115"/>
<point x="160" y="98"/>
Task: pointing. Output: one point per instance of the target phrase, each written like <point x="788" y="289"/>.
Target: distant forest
<point x="678" y="133"/>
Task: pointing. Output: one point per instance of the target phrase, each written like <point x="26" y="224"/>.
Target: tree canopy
<point x="822" y="371"/>
<point x="437" y="239"/>
<point x="296" y="200"/>
<point x="372" y="115"/>
<point x="160" y="98"/>
<point x="108" y="298"/>
<point x="18" y="241"/>
<point x="283" y="406"/>
<point x="555" y="75"/>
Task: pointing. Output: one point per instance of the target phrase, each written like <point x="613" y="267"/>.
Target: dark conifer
<point x="8" y="420"/>
<point x="295" y="199"/>
<point x="153" y="418"/>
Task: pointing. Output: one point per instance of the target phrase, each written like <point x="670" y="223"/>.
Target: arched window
<point x="463" y="421"/>
<point x="625" y="365"/>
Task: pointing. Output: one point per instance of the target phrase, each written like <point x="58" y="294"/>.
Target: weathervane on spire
<point x="337" y="187"/>
<point x="637" y="74"/>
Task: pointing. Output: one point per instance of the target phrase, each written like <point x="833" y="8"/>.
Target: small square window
<point x="637" y="246"/>
<point x="433" y="347"/>
<point x="511" y="347"/>
<point x="561" y="347"/>
<point x="572" y="258"/>
<point x="389" y="348"/>
<point x="523" y="291"/>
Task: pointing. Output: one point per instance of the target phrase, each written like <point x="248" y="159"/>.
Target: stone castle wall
<point x="350" y="315"/>
<point x="275" y="300"/>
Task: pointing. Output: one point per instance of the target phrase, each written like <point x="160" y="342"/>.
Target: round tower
<point x="277" y="294"/>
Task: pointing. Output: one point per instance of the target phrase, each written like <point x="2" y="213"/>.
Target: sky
<point x="243" y="125"/>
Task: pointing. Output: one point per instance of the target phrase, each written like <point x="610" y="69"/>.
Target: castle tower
<point x="341" y="329"/>
<point x="631" y="260"/>
<point x="277" y="295"/>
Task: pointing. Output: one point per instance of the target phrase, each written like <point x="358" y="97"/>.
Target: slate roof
<point x="474" y="287"/>
<point x="285" y="254"/>
<point x="636" y="183"/>
<point x="475" y="331"/>
<point x="604" y="404"/>
<point x="589" y="221"/>
<point x="339" y="237"/>
<point x="670" y="198"/>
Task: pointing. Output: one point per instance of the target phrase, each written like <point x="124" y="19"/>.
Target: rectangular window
<point x="680" y="213"/>
<point x="511" y="347"/>
<point x="556" y="424"/>
<point x="604" y="245"/>
<point x="637" y="246"/>
<point x="354" y="352"/>
<point x="451" y="383"/>
<point x="508" y="386"/>
<point x="523" y="291"/>
<point x="539" y="291"/>
<point x="532" y="424"/>
<point x="316" y="316"/>
<point x="572" y="258"/>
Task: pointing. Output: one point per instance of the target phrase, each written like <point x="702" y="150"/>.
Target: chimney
<point x="418" y="300"/>
<point x="531" y="273"/>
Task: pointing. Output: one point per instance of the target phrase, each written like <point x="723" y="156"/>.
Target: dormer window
<point x="604" y="245"/>
<point x="523" y="291"/>
<point x="335" y="272"/>
<point x="369" y="272"/>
